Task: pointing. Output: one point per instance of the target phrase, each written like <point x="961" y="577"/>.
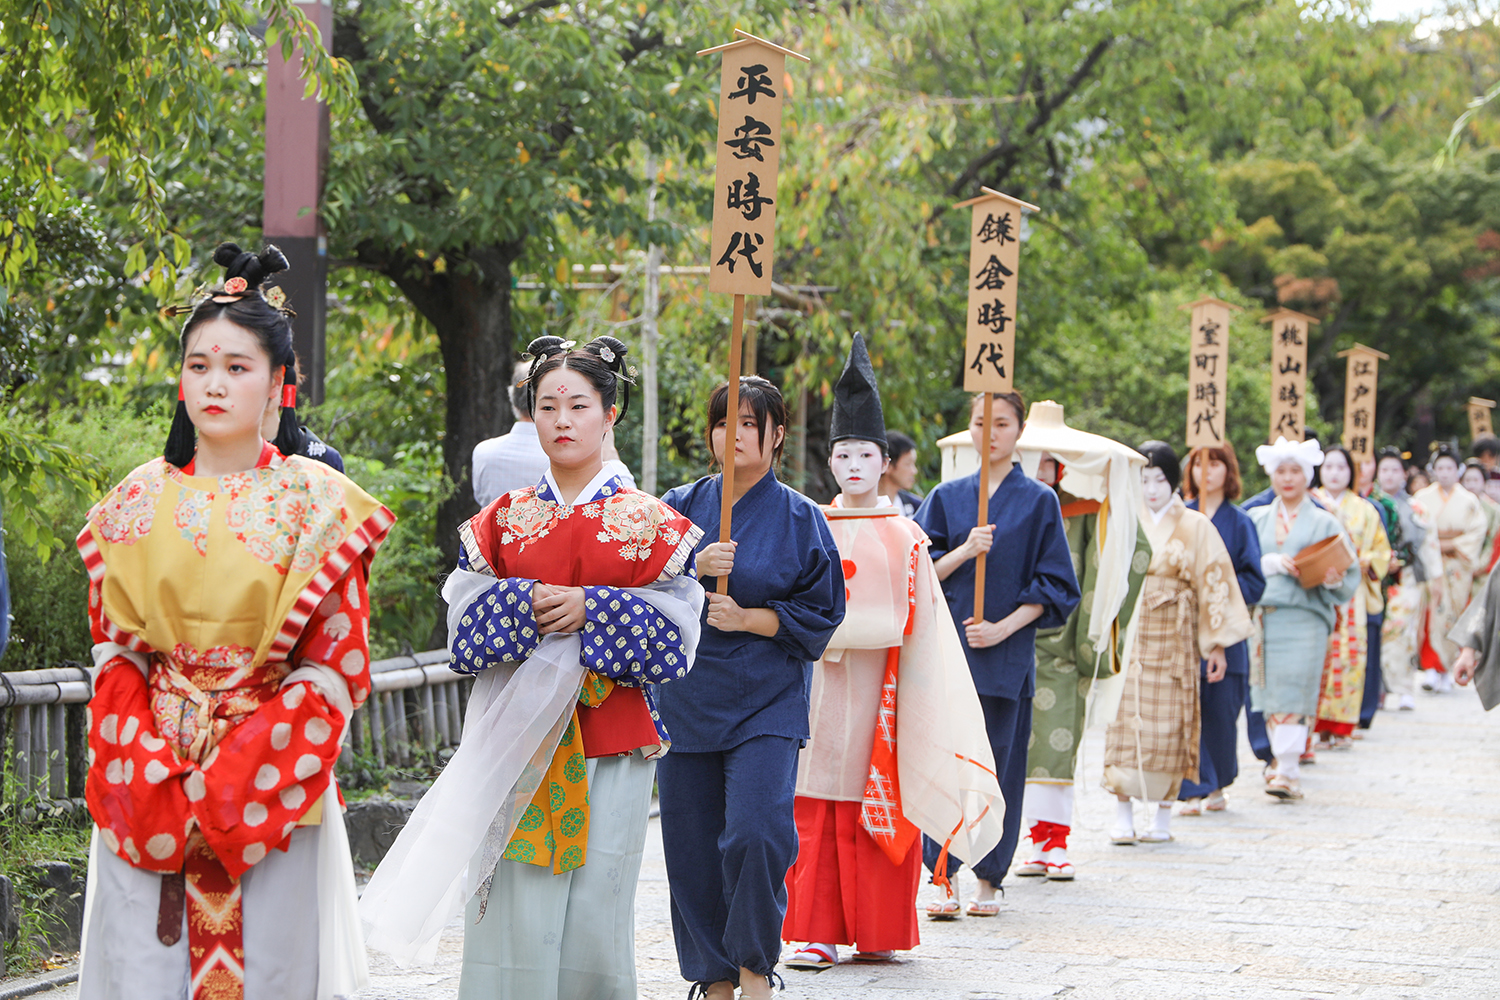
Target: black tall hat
<point x="856" y="400"/>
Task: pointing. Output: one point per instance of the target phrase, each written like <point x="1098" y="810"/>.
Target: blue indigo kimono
<point x="1220" y="704"/>
<point x="1029" y="563"/>
<point x="746" y="685"/>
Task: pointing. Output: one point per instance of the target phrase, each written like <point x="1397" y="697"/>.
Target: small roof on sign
<point x="1476" y="401"/>
<point x="1287" y="314"/>
<point x="748" y="39"/>
<point x="1359" y="348"/>
<point x="1209" y="300"/>
<point x="992" y="193"/>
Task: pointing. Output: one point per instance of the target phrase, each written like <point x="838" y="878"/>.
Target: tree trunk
<point x="469" y="305"/>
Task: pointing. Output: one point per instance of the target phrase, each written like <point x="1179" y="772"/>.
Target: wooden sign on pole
<point x="1361" y="379"/>
<point x="990" y="331"/>
<point x="1479" y="418"/>
<point x="1288" y="373"/>
<point x="1208" y="370"/>
<point x="742" y="241"/>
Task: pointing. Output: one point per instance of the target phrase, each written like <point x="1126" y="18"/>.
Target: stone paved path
<point x="1384" y="883"/>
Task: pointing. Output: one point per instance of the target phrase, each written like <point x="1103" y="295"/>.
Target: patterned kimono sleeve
<point x="267" y="771"/>
<point x="1223" y="619"/>
<point x="498" y="625"/>
<point x="134" y="787"/>
<point x="628" y="640"/>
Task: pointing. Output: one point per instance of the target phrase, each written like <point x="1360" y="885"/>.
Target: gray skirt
<point x="1296" y="643"/>
<point x="568" y="936"/>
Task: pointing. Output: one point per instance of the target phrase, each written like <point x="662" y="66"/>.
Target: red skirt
<point x="843" y="889"/>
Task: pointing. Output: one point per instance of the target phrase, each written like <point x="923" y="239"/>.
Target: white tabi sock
<point x="1124" y="815"/>
<point x="1287" y="743"/>
<point x="1163" y="821"/>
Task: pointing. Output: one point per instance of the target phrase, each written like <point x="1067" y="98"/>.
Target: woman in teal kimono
<point x="1286" y="662"/>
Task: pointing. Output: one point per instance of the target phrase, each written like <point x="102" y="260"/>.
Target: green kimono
<point x="1065" y="666"/>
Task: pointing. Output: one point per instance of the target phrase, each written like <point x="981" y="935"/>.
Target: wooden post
<point x="990" y="330"/>
<point x="1361" y="379"/>
<point x="1288" y="373"/>
<point x="1208" y="371"/>
<point x="742" y="239"/>
<point x="1479" y="418"/>
<point x="651" y="417"/>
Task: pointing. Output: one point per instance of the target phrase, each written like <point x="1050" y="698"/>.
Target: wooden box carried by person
<point x="1314" y="561"/>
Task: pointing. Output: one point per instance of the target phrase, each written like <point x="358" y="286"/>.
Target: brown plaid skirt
<point x="1160" y="699"/>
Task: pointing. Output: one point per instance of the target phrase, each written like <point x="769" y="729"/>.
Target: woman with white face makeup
<point x="1459" y="521"/>
<point x="898" y="742"/>
<point x="1294" y="621"/>
<point x="1475" y="479"/>
<point x="1348" y="648"/>
<point x="1190" y="607"/>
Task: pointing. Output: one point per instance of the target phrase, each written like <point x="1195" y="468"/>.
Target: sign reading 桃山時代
<point x="994" y="262"/>
<point x="742" y="241"/>
<point x="1208" y="371"/>
<point x="1361" y="378"/>
<point x="1288" y="373"/>
<point x="1479" y="418"/>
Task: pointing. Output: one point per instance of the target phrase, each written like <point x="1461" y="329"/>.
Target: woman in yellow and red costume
<point x="227" y="598"/>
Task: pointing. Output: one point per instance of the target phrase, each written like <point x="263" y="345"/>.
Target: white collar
<point x="603" y="484"/>
<point x="881" y="501"/>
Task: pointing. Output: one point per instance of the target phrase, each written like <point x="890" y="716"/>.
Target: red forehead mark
<point x="562" y="388"/>
<point x="215" y="348"/>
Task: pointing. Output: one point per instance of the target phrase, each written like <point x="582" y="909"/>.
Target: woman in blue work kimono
<point x="728" y="786"/>
<point x="1029" y="584"/>
<point x="1211" y="484"/>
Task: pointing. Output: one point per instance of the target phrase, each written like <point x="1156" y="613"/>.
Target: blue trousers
<point x="729" y="834"/>
<point x="1255" y="732"/>
<point x="1007" y="721"/>
<point x="1218" y="756"/>
<point x="1373" y="680"/>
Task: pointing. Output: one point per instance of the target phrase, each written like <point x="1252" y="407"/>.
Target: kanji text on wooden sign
<point x="1361" y="379"/>
<point x="994" y="267"/>
<point x="1288" y="373"/>
<point x="1479" y="418"/>
<point x="742" y="241"/>
<point x="1208" y="371"/>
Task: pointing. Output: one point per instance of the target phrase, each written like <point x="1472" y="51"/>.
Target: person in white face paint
<point x="1460" y="525"/>
<point x="898" y="742"/>
<point x="1286" y="654"/>
<point x="1190" y="606"/>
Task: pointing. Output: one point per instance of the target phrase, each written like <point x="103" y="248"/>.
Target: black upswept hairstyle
<point x="601" y="361"/>
<point x="1159" y="455"/>
<point x="1446" y="450"/>
<point x="246" y="308"/>
<point x="1348" y="460"/>
<point x="764" y="400"/>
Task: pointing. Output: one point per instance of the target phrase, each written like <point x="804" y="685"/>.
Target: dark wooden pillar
<point x="296" y="156"/>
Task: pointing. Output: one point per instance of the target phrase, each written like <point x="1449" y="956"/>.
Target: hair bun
<point x="225" y="254"/>
<point x="545" y="347"/>
<point x="272" y="261"/>
<point x="611" y="351"/>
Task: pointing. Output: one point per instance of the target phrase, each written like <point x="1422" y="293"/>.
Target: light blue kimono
<point x="1295" y="621"/>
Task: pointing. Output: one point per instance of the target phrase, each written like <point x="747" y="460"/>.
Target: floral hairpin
<point x="607" y="354"/>
<point x="235" y="286"/>
<point x="276" y="297"/>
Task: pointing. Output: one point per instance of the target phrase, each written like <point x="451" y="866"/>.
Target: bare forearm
<point x="1023" y="616"/>
<point x="949" y="562"/>
<point x="762" y="621"/>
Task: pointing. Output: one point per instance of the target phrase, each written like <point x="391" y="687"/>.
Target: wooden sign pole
<point x="1208" y="371"/>
<point x="1288" y="374"/>
<point x="1479" y="418"/>
<point x="742" y="241"/>
<point x="1361" y="380"/>
<point x="990" y="330"/>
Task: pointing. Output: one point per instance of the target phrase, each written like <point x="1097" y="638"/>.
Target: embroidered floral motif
<point x="528" y="518"/>
<point x="286" y="517"/>
<point x="126" y="514"/>
<point x="636" y="521"/>
<point x="191" y="516"/>
<point x="1217" y="590"/>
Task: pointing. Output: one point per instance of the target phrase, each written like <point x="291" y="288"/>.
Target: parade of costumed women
<point x="1029" y="585"/>
<point x="228" y="601"/>
<point x="1459" y="522"/>
<point x="1296" y="613"/>
<point x="1417" y="564"/>
<point x="1098" y="486"/>
<point x="1190" y="608"/>
<point x="1210" y="485"/>
<point x="573" y="602"/>
<point x="898" y="744"/>
<point x="740" y="719"/>
<point x="1348" y="645"/>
